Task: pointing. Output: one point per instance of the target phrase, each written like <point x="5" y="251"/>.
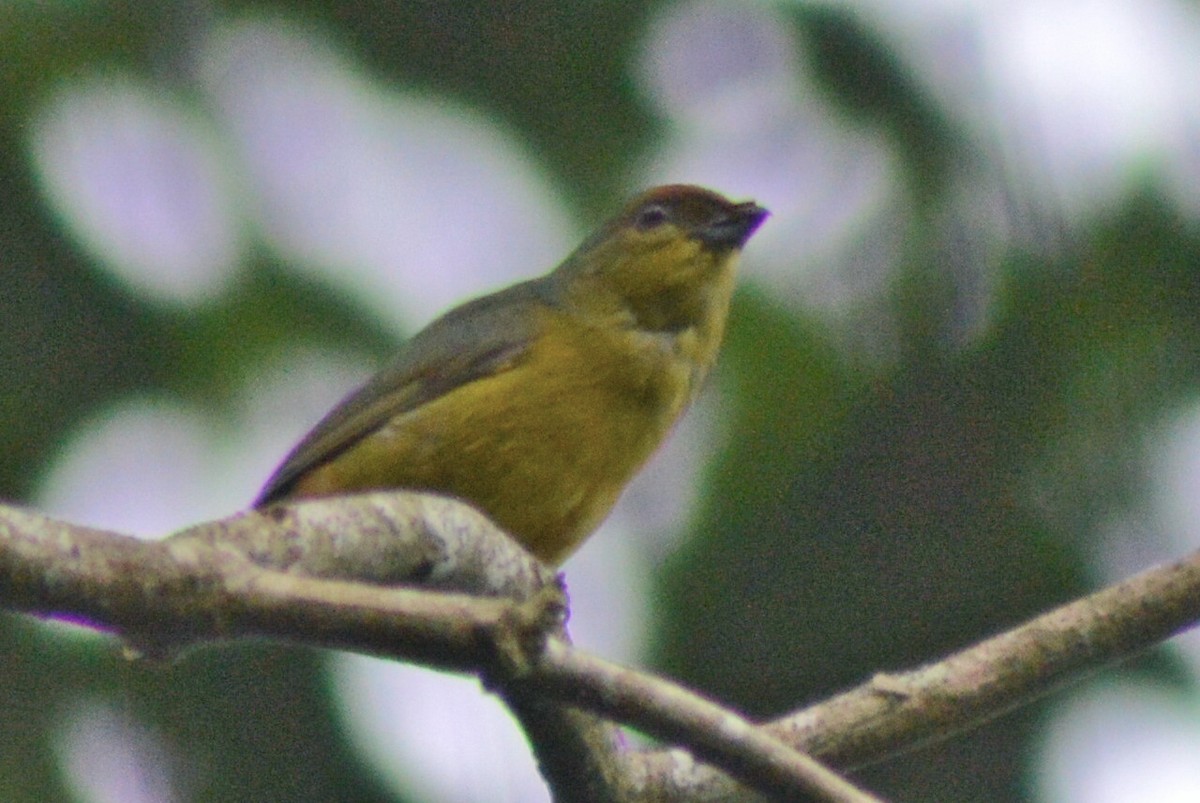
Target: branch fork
<point x="429" y="580"/>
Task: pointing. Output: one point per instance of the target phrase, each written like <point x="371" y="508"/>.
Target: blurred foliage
<point x="863" y="516"/>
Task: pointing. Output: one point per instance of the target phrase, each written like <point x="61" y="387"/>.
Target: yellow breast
<point x="544" y="448"/>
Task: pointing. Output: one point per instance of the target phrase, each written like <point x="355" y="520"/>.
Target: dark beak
<point x="733" y="228"/>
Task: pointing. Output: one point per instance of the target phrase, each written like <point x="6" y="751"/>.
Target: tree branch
<point x="498" y="612"/>
<point x="253" y="575"/>
<point x="891" y="714"/>
<point x="895" y="713"/>
<point x="676" y="715"/>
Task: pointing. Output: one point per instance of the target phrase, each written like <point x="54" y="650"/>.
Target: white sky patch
<point x="280" y="404"/>
<point x="1174" y="506"/>
<point x="659" y="503"/>
<point x="136" y="468"/>
<point x="148" y="466"/>
<point x="1176" y="473"/>
<point x="435" y="736"/>
<point x="1095" y="92"/>
<point x="136" y="177"/>
<point x="411" y="201"/>
<point x="748" y="124"/>
<point x="719" y="67"/>
<point x="107" y="757"/>
<point x="1079" y="99"/>
<point x="1121" y="743"/>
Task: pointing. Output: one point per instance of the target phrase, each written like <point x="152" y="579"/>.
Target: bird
<point x="538" y="403"/>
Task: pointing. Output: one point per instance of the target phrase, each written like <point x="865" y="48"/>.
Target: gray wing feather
<point x="472" y="341"/>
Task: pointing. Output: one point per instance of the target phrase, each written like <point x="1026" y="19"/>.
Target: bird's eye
<point x="651" y="216"/>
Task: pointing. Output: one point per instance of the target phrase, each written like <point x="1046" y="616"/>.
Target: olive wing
<point x="479" y="339"/>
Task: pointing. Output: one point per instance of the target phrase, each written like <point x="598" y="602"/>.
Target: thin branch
<point x="581" y="755"/>
<point x="895" y="713"/>
<point x="892" y="714"/>
<point x="674" y="714"/>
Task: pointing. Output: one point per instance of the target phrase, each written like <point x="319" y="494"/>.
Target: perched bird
<point x="538" y="403"/>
